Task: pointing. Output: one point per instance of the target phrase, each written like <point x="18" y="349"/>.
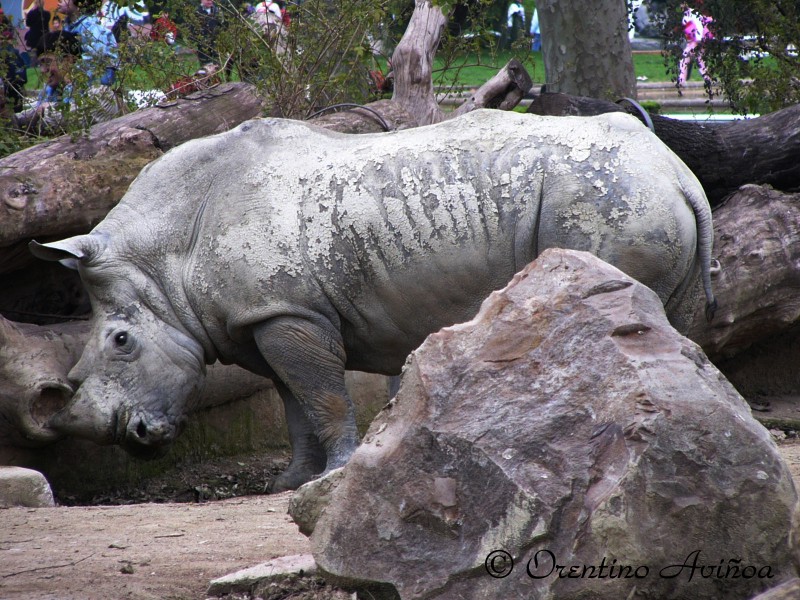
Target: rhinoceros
<point x="298" y="253"/>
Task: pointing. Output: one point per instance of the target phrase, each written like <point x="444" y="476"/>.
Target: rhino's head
<point x="140" y="370"/>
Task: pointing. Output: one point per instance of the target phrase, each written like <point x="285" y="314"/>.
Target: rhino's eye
<point x="121" y="338"/>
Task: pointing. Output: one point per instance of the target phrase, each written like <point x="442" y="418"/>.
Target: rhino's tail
<point x="705" y="238"/>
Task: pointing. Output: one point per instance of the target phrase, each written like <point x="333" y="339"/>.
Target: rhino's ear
<point x="69" y="251"/>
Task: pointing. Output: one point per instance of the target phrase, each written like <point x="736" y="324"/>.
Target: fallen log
<point x="34" y="363"/>
<point x="723" y="156"/>
<point x="757" y="243"/>
<point x="504" y="91"/>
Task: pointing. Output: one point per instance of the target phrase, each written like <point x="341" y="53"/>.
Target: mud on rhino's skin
<point x="298" y="252"/>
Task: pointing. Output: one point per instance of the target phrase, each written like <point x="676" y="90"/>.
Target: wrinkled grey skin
<point x="298" y="253"/>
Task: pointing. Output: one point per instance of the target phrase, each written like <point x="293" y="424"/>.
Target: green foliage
<point x="754" y="56"/>
<point x="13" y="141"/>
<point x="322" y="58"/>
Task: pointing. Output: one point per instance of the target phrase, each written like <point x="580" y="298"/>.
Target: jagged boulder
<point x="565" y="443"/>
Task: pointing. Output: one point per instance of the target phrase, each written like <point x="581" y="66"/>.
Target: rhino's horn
<point x="68" y="251"/>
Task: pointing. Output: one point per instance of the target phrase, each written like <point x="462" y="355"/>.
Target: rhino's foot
<point x="291" y="479"/>
<point x="340" y="453"/>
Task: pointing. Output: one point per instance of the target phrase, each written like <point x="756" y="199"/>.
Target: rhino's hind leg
<point x="309" y="359"/>
<point x="308" y="455"/>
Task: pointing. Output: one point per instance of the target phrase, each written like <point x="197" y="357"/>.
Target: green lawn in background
<point x="474" y="70"/>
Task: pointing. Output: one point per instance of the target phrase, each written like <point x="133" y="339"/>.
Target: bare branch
<point x="504" y="91"/>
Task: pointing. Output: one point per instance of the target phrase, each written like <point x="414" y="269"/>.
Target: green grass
<point x="140" y="78"/>
<point x="471" y="70"/>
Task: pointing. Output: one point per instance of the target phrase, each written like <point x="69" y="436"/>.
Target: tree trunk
<point x="586" y="48"/>
<point x="382" y="115"/>
<point x="412" y="63"/>
<point x="723" y="156"/>
<point x="34" y="363"/>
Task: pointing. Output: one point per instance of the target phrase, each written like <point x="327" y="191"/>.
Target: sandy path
<point x="174" y="550"/>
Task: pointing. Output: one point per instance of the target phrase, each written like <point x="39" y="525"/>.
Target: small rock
<point x="777" y="434"/>
<point x="310" y="500"/>
<point x="127" y="568"/>
<point x="298" y="565"/>
<point x="24" y="487"/>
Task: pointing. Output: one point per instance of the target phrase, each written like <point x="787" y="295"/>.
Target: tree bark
<point x="586" y="49"/>
<point x="382" y="115"/>
<point x="757" y="243"/>
<point x="723" y="156"/>
<point x="412" y="63"/>
<point x="34" y="363"/>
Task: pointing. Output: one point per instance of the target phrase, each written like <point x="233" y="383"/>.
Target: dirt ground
<point x="166" y="550"/>
<point x="187" y="532"/>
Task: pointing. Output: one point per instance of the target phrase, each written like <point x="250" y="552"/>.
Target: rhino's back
<point x="371" y="226"/>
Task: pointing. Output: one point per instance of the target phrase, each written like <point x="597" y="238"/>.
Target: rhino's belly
<point x="388" y="319"/>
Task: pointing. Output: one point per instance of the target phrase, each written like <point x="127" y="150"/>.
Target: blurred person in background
<point x="37" y="20"/>
<point x="99" y="57"/>
<point x="209" y="20"/>
<point x="13" y="72"/>
<point x="116" y="18"/>
<point x="59" y="51"/>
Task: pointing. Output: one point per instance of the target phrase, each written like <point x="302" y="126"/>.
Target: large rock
<point x="566" y="422"/>
<point x="789" y="590"/>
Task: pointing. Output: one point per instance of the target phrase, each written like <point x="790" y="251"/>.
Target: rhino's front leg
<point x="309" y="359"/>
